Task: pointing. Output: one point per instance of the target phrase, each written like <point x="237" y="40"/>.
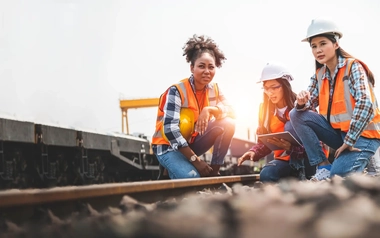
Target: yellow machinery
<point x="134" y="103"/>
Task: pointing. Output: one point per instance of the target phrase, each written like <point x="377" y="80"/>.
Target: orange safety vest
<point x="188" y="100"/>
<point x="276" y="125"/>
<point x="343" y="103"/>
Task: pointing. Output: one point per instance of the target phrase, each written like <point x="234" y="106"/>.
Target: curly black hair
<point x="197" y="45"/>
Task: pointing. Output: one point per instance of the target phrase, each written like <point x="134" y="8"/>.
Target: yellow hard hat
<point x="186" y="124"/>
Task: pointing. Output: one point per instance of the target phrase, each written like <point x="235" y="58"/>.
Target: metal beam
<point x="134" y="103"/>
<point x="139" y="103"/>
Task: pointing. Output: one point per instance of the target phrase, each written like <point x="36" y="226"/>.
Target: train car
<point x="34" y="155"/>
<point x="39" y="155"/>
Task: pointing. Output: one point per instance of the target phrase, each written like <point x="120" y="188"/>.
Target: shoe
<point x="321" y="174"/>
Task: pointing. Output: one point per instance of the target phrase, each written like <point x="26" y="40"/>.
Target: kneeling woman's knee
<point x="229" y="123"/>
<point x="193" y="174"/>
<point x="182" y="174"/>
<point x="267" y="175"/>
<point x="293" y="113"/>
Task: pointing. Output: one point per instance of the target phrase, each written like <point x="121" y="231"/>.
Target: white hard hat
<point x="275" y="71"/>
<point x="322" y="26"/>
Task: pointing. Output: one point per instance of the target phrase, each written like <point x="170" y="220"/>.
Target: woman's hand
<point x="247" y="156"/>
<point x="303" y="97"/>
<point x="203" y="168"/>
<point x="203" y="119"/>
<point x="284" y="144"/>
<point x="344" y="147"/>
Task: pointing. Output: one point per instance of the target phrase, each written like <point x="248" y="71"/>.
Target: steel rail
<point x="28" y="197"/>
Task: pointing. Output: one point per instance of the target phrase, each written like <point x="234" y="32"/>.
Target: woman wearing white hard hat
<point x="278" y="100"/>
<point x="349" y="118"/>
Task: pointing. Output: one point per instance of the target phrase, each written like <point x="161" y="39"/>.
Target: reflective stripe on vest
<point x="343" y="103"/>
<point x="188" y="100"/>
<point x="213" y="95"/>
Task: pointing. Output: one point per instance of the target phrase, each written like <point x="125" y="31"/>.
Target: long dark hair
<point x="342" y="53"/>
<point x="268" y="108"/>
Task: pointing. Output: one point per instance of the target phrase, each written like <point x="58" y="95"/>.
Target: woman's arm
<point x="363" y="111"/>
<point x="260" y="151"/>
<point x="171" y="119"/>
<point x="313" y="101"/>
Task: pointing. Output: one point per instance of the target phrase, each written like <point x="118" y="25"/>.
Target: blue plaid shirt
<point x="360" y="91"/>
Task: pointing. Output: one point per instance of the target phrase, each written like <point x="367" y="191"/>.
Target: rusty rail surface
<point x="30" y="197"/>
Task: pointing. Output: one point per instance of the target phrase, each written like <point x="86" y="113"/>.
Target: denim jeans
<point x="219" y="134"/>
<point x="312" y="128"/>
<point x="276" y="170"/>
<point x="294" y="163"/>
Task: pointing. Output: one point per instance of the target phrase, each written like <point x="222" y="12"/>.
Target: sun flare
<point x="246" y="102"/>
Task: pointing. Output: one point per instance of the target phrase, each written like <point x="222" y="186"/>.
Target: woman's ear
<point x="191" y="68"/>
<point x="336" y="45"/>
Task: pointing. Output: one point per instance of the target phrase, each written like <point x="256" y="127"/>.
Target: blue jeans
<point x="219" y="134"/>
<point x="312" y="128"/>
<point x="294" y="163"/>
<point x="276" y="170"/>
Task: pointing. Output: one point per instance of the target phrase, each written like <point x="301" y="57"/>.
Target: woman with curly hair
<point x="193" y="116"/>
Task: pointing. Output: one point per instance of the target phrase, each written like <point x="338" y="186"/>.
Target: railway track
<point x="20" y="206"/>
<point x="341" y="207"/>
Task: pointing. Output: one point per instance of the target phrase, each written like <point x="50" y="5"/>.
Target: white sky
<point x="69" y="62"/>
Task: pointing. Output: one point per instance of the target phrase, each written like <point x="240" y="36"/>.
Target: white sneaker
<point x="321" y="174"/>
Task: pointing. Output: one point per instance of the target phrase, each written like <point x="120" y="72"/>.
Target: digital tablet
<point x="280" y="135"/>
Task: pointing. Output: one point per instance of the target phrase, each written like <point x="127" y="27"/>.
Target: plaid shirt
<point x="295" y="152"/>
<point x="172" y="110"/>
<point x="360" y="91"/>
